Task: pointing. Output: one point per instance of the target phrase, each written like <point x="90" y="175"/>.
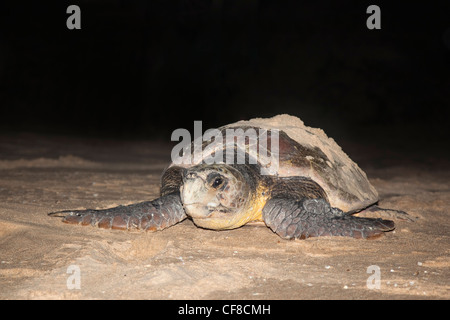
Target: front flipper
<point x="153" y="215"/>
<point x="301" y="219"/>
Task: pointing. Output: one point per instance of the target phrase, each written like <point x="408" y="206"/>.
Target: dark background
<point x="144" y="68"/>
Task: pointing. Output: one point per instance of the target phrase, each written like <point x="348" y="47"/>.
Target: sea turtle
<point x="314" y="190"/>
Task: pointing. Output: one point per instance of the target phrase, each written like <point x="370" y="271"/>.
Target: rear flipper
<point x="153" y="215"/>
<point x="301" y="219"/>
<point x="376" y="211"/>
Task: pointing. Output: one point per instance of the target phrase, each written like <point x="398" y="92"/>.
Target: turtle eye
<point x="217" y="182"/>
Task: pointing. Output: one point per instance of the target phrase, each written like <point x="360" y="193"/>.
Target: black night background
<point x="145" y="68"/>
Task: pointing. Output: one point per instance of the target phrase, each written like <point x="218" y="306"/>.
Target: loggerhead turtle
<point x="314" y="191"/>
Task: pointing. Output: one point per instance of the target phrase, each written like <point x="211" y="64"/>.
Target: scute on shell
<point x="308" y="152"/>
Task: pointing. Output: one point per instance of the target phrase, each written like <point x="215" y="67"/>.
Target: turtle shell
<point x="285" y="147"/>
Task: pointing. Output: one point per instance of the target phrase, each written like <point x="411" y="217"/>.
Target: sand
<point x="40" y="174"/>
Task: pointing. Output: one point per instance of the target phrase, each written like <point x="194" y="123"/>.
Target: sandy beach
<point x="40" y="174"/>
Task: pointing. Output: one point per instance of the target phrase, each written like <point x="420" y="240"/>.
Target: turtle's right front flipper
<point x="153" y="215"/>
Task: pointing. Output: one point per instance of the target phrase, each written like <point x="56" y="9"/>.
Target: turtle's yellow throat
<point x="252" y="212"/>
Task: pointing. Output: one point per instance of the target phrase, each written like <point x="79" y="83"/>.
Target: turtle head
<point x="215" y="196"/>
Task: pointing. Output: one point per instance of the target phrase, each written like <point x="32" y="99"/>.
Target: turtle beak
<point x="195" y="196"/>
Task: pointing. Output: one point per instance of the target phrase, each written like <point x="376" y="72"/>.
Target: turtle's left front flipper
<point x="153" y="215"/>
<point x="300" y="219"/>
